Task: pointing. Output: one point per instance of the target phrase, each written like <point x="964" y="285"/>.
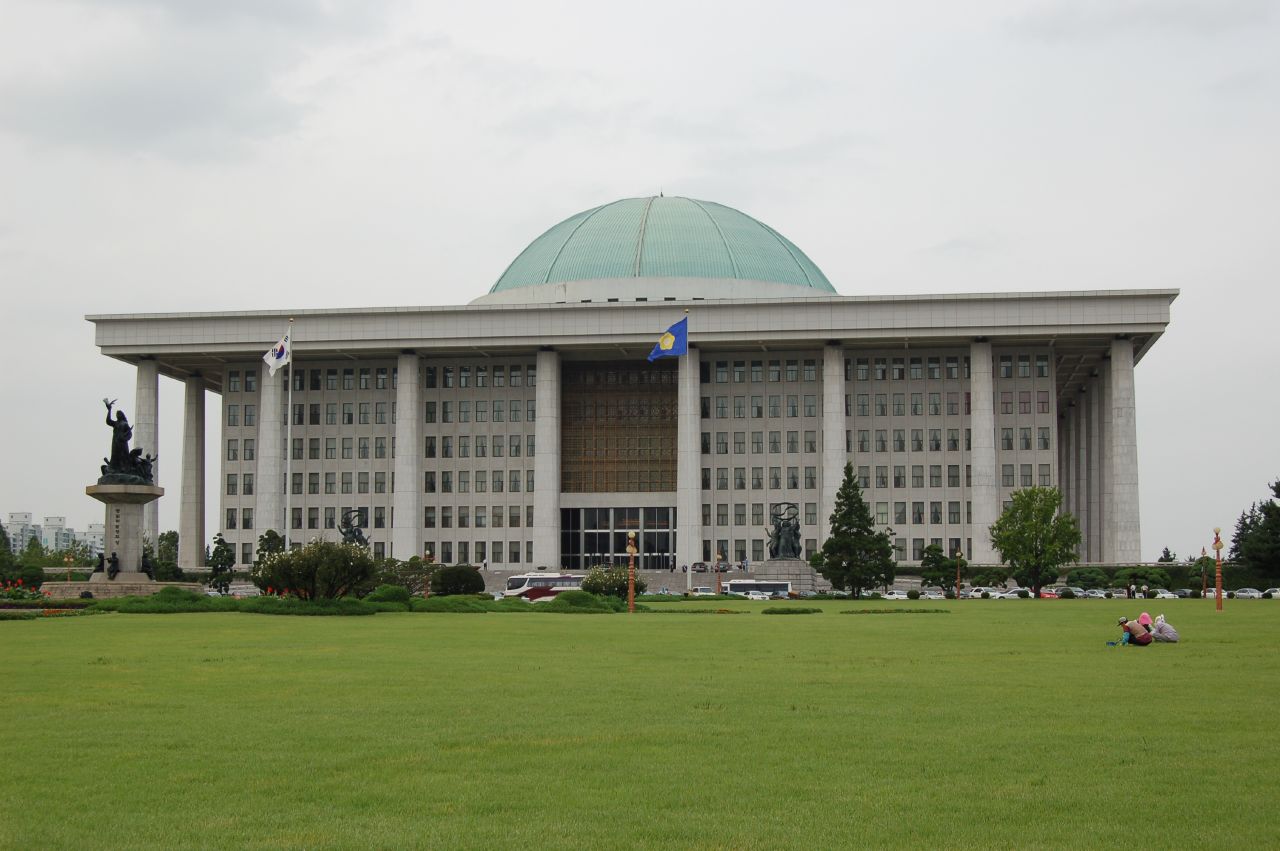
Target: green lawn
<point x="1006" y="724"/>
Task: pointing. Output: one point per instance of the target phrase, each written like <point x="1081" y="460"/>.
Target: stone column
<point x="1095" y="470"/>
<point x="1105" y="495"/>
<point x="1080" y="488"/>
<point x="406" y="501"/>
<point x="546" y="463"/>
<point x="1124" y="456"/>
<point x="689" y="465"/>
<point x="146" y="436"/>
<point x="984" y="494"/>
<point x="191" y="540"/>
<point x="1064" y="457"/>
<point x="833" y="428"/>
<point x="269" y="468"/>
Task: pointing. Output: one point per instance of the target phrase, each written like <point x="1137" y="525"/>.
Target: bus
<point x="521" y="584"/>
<point x="772" y="587"/>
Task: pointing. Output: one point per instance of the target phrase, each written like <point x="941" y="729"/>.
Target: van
<point x="703" y="591"/>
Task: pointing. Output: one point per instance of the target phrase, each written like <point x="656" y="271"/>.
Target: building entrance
<point x="598" y="536"/>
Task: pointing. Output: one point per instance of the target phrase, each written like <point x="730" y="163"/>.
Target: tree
<point x="167" y="548"/>
<point x="7" y="562"/>
<point x="221" y="560"/>
<point x="320" y="570"/>
<point x="1152" y="577"/>
<point x="1256" y="543"/>
<point x="1088" y="577"/>
<point x="269" y="543"/>
<point x="458" y="579"/>
<point x="1033" y="538"/>
<point x="937" y="569"/>
<point x="33" y="553"/>
<point x="413" y="575"/>
<point x="1167" y="557"/>
<point x="855" y="556"/>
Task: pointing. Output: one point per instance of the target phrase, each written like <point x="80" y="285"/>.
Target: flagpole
<point x="288" y="444"/>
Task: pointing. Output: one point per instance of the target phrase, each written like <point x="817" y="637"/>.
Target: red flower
<point x="19" y="581"/>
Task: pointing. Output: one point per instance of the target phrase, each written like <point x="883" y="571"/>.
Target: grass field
<point x="1002" y="724"/>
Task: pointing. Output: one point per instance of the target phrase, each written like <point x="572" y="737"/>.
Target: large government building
<point x="527" y="429"/>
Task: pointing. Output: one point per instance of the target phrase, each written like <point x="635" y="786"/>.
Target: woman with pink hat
<point x="1135" y="633"/>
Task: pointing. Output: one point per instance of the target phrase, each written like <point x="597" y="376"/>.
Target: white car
<point x="757" y="595"/>
<point x="933" y="595"/>
<point x="1248" y="594"/>
<point x="1165" y="594"/>
<point x="1274" y="592"/>
<point x="895" y="594"/>
<point x="1011" y="594"/>
<point x="703" y="591"/>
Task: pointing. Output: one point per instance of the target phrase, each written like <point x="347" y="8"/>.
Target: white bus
<point x="521" y="584"/>
<point x="771" y="587"/>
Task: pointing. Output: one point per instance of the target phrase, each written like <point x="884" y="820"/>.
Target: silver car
<point x="1248" y="594"/>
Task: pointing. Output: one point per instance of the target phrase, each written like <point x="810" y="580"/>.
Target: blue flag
<point x="673" y="343"/>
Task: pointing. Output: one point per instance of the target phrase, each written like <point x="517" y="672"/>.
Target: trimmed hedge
<point x="776" y="610"/>
<point x="389" y="594"/>
<point x="897" y="612"/>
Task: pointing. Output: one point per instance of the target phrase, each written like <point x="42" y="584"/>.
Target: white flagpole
<point x="288" y="446"/>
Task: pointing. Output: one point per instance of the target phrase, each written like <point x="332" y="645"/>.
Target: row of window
<point x="936" y="367"/>
<point x="1023" y="475"/>
<point x="794" y="405"/>
<point x="493" y="481"/>
<point x="310" y="448"/>
<point x="756" y="370"/>
<point x="463" y="409"/>
<point x="479" y="515"/>
<point x="883" y="443"/>
<point x="757" y="442"/>
<point x="462" y="377"/>
<point x="347" y="482"/>
<point x="485" y="552"/>
<point x="758" y="478"/>
<point x="512" y="446"/>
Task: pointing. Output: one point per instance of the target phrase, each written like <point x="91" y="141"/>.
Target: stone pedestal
<point x="796" y="571"/>
<point x="124" y="527"/>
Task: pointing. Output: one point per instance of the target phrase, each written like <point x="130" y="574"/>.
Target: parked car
<point x="976" y="592"/>
<point x="1248" y="594"/>
<point x="1011" y="594"/>
<point x="1184" y="593"/>
<point x="1274" y="592"/>
<point x="699" y="567"/>
<point x="1095" y="594"/>
<point x="895" y="594"/>
<point x="1165" y="594"/>
<point x="933" y="595"/>
<point x="757" y="595"/>
<point x="1079" y="592"/>
<point x="703" y="591"/>
<point x="1048" y="594"/>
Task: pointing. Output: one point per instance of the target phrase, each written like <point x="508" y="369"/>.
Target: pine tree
<point x="221" y="560"/>
<point x="855" y="556"/>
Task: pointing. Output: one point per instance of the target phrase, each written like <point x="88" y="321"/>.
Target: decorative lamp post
<point x="426" y="588"/>
<point x="716" y="568"/>
<point x="631" y="572"/>
<point x="959" y="561"/>
<point x="1217" y="574"/>
<point x="67" y="560"/>
<point x="1204" y="576"/>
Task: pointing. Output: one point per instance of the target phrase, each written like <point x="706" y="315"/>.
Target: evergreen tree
<point x="1034" y="539"/>
<point x="937" y="569"/>
<point x="221" y="560"/>
<point x="167" y="547"/>
<point x="7" y="562"/>
<point x="269" y="543"/>
<point x="1167" y="557"/>
<point x="855" y="556"/>
<point x="1256" y="543"/>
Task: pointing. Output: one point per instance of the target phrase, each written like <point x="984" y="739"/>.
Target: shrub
<point x="1195" y="595"/>
<point x="1023" y="593"/>
<point x="18" y="615"/>
<point x="455" y="604"/>
<point x="1266" y="595"/>
<point x="321" y="569"/>
<point x="1066" y="594"/>
<point x="1107" y="595"/>
<point x="579" y="602"/>
<point x="1152" y="577"/>
<point x="389" y="594"/>
<point x="295" y="606"/>
<point x="458" y="579"/>
<point x="949" y="594"/>
<point x="611" y="581"/>
<point x="413" y="575"/>
<point x="32" y="576"/>
<point x="986" y="595"/>
<point x="913" y="594"/>
<point x="167" y="571"/>
<point x="778" y="610"/>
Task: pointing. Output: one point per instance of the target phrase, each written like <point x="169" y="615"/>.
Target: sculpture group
<point x="125" y="466"/>
<point x="784" y="537"/>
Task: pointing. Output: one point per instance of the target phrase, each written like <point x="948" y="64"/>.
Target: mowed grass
<point x="1003" y="724"/>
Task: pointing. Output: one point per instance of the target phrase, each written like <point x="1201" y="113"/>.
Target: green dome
<point x="660" y="237"/>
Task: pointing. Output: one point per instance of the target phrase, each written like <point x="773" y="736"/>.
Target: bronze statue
<point x="125" y="466"/>
<point x="784" y="537"/>
<point x="350" y="525"/>
<point x="113" y="566"/>
<point x="147" y="567"/>
<point x="101" y="567"/>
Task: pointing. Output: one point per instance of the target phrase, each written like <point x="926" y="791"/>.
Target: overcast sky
<point x="245" y="154"/>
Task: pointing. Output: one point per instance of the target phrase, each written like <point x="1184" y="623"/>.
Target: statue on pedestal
<point x="350" y="525"/>
<point x="784" y="537"/>
<point x="124" y="466"/>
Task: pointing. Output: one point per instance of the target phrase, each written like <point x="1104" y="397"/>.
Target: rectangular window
<point x="247" y="483"/>
<point x="1006" y="475"/>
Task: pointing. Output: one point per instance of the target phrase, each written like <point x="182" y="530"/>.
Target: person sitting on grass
<point x="1134" y="633"/>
